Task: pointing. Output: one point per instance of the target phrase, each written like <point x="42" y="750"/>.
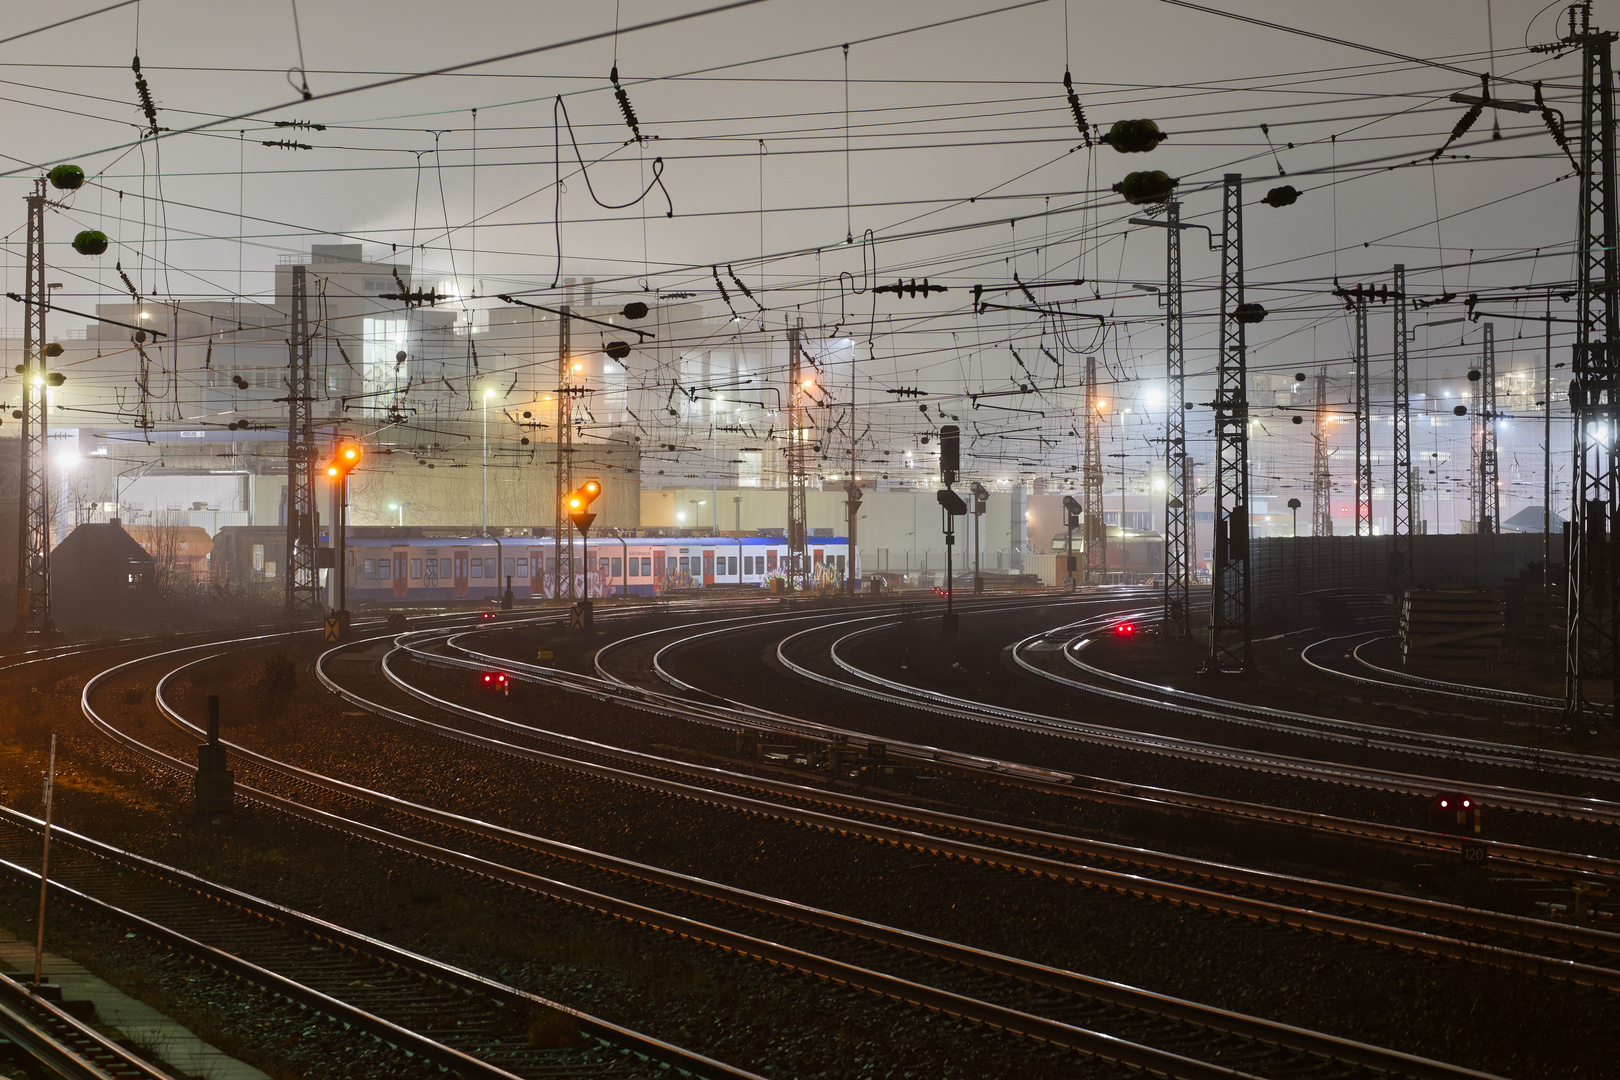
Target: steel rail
<point x="996" y="963"/>
<point x="1549" y="804"/>
<point x="1461" y="689"/>
<point x="1118" y="881"/>
<point x="619" y="1037"/>
<point x="1356" y="733"/>
<point x="63" y="1044"/>
<point x="1524" y="858"/>
<point x="1105" y="1047"/>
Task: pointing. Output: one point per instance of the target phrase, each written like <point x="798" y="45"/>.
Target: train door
<point x="402" y="559"/>
<point x="539" y="579"/>
<point x="708" y="566"/>
<point x="461" y="572"/>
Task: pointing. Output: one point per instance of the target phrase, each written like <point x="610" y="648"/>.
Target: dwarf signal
<point x="1124" y="629"/>
<point x="495" y="682"/>
<point x="1455" y="812"/>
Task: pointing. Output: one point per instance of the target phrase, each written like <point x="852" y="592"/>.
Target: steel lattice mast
<point x="1094" y="532"/>
<point x="1404" y="519"/>
<point x="1321" y="471"/>
<point x="1490" y="492"/>
<point x="33" y="517"/>
<point x="1364" y="485"/>
<point x="1594" y="587"/>
<point x="1230" y="636"/>
<point x="563" y="480"/>
<point x="1177" y="511"/>
<point x="798" y="462"/>
<point x="302" y="581"/>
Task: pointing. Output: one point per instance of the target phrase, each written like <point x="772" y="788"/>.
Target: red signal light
<point x="1124" y="629"/>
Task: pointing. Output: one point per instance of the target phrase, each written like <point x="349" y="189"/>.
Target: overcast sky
<point x="958" y="151"/>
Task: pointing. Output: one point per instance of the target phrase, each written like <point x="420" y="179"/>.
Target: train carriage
<point x="420" y="569"/>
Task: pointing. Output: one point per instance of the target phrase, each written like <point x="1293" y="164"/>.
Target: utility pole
<point x="1230" y="632"/>
<point x="1321" y="470"/>
<point x="302" y="582"/>
<point x="1178" y="515"/>
<point x="1094" y="533"/>
<point x="1404" y="519"/>
<point x="33" y="517"/>
<point x="1490" y="491"/>
<point x="798" y="462"/>
<point x="564" y="479"/>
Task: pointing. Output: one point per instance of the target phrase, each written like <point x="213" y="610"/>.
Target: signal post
<point x="344" y="459"/>
<point x="578" y="505"/>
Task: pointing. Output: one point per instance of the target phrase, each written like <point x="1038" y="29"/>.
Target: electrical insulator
<point x="66" y="177"/>
<point x="1144" y="188"/>
<point x="1134" y="136"/>
<point x="1074" y="107"/>
<point x="288" y="144"/>
<point x="1249" y="313"/>
<point x="1287" y="195"/>
<point x="90" y="242"/>
<point x="618" y="350"/>
<point x="302" y="125"/>
<point x="635" y="309"/>
<point x="911" y="289"/>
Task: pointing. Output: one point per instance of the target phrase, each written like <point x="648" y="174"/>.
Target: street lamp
<point x="401" y="508"/>
<point x="485" y="516"/>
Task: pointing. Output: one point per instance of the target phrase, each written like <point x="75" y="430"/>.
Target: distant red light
<point x="1125" y="629"/>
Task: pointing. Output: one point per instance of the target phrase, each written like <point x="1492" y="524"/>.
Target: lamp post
<point x="484" y="518"/>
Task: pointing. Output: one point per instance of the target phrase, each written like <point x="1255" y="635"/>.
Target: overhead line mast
<point x="302" y="581"/>
<point x="33" y="519"/>
<point x="1178" y="515"/>
<point x="1230" y="633"/>
<point x="1593" y="585"/>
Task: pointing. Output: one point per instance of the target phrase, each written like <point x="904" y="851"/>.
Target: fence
<point x="1284" y="569"/>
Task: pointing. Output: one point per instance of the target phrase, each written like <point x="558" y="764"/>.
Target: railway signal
<point x="1125" y="629"/>
<point x="1455" y="812"/>
<point x="495" y="682"/>
<point x="345" y="457"/>
<point x="343" y="461"/>
<point x="579" y="504"/>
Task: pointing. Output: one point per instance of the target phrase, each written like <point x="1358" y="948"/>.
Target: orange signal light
<point x="343" y="462"/>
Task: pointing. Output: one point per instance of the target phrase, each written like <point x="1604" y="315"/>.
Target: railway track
<point x="460" y="1021"/>
<point x="1207" y="1042"/>
<point x="1391" y="679"/>
<point x="697" y="706"/>
<point x="59" y="1044"/>
<point x="1249" y="894"/>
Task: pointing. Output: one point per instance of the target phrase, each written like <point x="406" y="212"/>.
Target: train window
<point x="383" y="566"/>
<point x="369" y="568"/>
<point x="444" y="568"/>
<point x="646" y="567"/>
<point x="522" y="567"/>
<point x="840" y="566"/>
<point x="686" y="564"/>
<point x="634" y="569"/>
<point x="478" y="568"/>
<point x="416" y="569"/>
<point x="618" y="566"/>
<point x="605" y="567"/>
<point x="731" y="564"/>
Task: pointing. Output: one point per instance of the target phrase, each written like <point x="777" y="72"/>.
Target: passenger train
<point x="454" y="568"/>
